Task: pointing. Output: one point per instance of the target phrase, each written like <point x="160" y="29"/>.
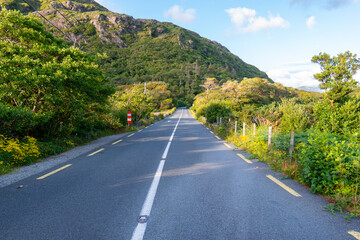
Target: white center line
<point x="139" y="231"/>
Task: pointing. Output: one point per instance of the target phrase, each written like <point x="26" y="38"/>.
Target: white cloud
<point x="245" y="20"/>
<point x="296" y="75"/>
<point x="357" y="77"/>
<point x="310" y="22"/>
<point x="179" y="14"/>
<point x="329" y="4"/>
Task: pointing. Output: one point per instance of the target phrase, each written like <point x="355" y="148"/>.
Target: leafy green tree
<point x="134" y="98"/>
<point x="337" y="73"/>
<point x="217" y="109"/>
<point x="338" y="118"/>
<point x="295" y="116"/>
<point x="40" y="73"/>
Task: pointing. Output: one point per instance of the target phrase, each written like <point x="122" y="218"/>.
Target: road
<point x="188" y="183"/>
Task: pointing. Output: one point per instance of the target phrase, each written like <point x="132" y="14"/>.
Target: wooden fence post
<point x="291" y="145"/>
<point x="269" y="137"/>
<point x="244" y="129"/>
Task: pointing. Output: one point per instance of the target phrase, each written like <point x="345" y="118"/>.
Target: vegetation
<point x="141" y="51"/>
<point x="326" y="126"/>
<point x="53" y="96"/>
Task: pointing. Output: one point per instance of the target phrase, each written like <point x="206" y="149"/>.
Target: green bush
<point x="201" y="111"/>
<point x="21" y="121"/>
<point x="294" y="116"/>
<point x="329" y="162"/>
<point x="339" y="118"/>
<point x="217" y="109"/>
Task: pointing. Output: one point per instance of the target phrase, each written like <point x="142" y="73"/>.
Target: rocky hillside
<point x="140" y="50"/>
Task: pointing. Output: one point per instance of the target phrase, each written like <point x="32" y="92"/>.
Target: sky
<point x="278" y="36"/>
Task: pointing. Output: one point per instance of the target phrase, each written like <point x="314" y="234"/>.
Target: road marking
<point x="131" y="135"/>
<point x="140" y="130"/>
<point x="139" y="231"/>
<point x="218" y="137"/>
<point x="354" y="234"/>
<point x="244" y="158"/>
<point x="53" y="172"/>
<point x="102" y="149"/>
<point x="228" y="145"/>
<point x="116" y="142"/>
<point x="166" y="150"/>
<point x="283" y="186"/>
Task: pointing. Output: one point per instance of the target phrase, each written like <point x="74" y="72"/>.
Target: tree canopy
<point x="337" y="73"/>
<point x="41" y="76"/>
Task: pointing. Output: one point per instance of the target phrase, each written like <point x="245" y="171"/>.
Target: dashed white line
<point x="139" y="231"/>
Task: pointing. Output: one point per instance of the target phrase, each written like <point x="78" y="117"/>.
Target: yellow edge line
<point x="354" y="234"/>
<point x="218" y="137"/>
<point x="244" y="158"/>
<point x="283" y="186"/>
<point x="228" y="145"/>
<point x="131" y="135"/>
<point x="55" y="171"/>
<point x="95" y="152"/>
<point x="116" y="142"/>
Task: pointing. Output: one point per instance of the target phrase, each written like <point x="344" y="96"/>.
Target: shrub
<point x="14" y="153"/>
<point x="339" y="118"/>
<point x="329" y="162"/>
<point x="294" y="116"/>
<point x="217" y="109"/>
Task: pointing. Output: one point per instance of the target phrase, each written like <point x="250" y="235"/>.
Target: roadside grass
<point x="16" y="153"/>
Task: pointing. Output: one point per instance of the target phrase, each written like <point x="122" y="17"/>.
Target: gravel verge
<point x="27" y="171"/>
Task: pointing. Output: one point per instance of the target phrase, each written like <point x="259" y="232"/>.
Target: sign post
<point x="129" y="118"/>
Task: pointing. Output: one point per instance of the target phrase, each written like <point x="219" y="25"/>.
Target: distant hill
<point x="310" y="89"/>
<point x="141" y="50"/>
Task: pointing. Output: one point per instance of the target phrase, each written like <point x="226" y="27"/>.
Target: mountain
<point x="140" y="50"/>
<point x="310" y="89"/>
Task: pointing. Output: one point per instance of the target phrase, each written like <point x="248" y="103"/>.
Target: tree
<point x="41" y="74"/>
<point x="210" y="84"/>
<point x="337" y="73"/>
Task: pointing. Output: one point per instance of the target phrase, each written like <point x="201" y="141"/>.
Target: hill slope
<point x="140" y="50"/>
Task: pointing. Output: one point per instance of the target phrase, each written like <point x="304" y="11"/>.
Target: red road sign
<point x="129" y="117"/>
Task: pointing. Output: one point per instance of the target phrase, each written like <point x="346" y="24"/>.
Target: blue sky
<point x="277" y="36"/>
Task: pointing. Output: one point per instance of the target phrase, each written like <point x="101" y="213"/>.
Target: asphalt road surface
<point x="172" y="180"/>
